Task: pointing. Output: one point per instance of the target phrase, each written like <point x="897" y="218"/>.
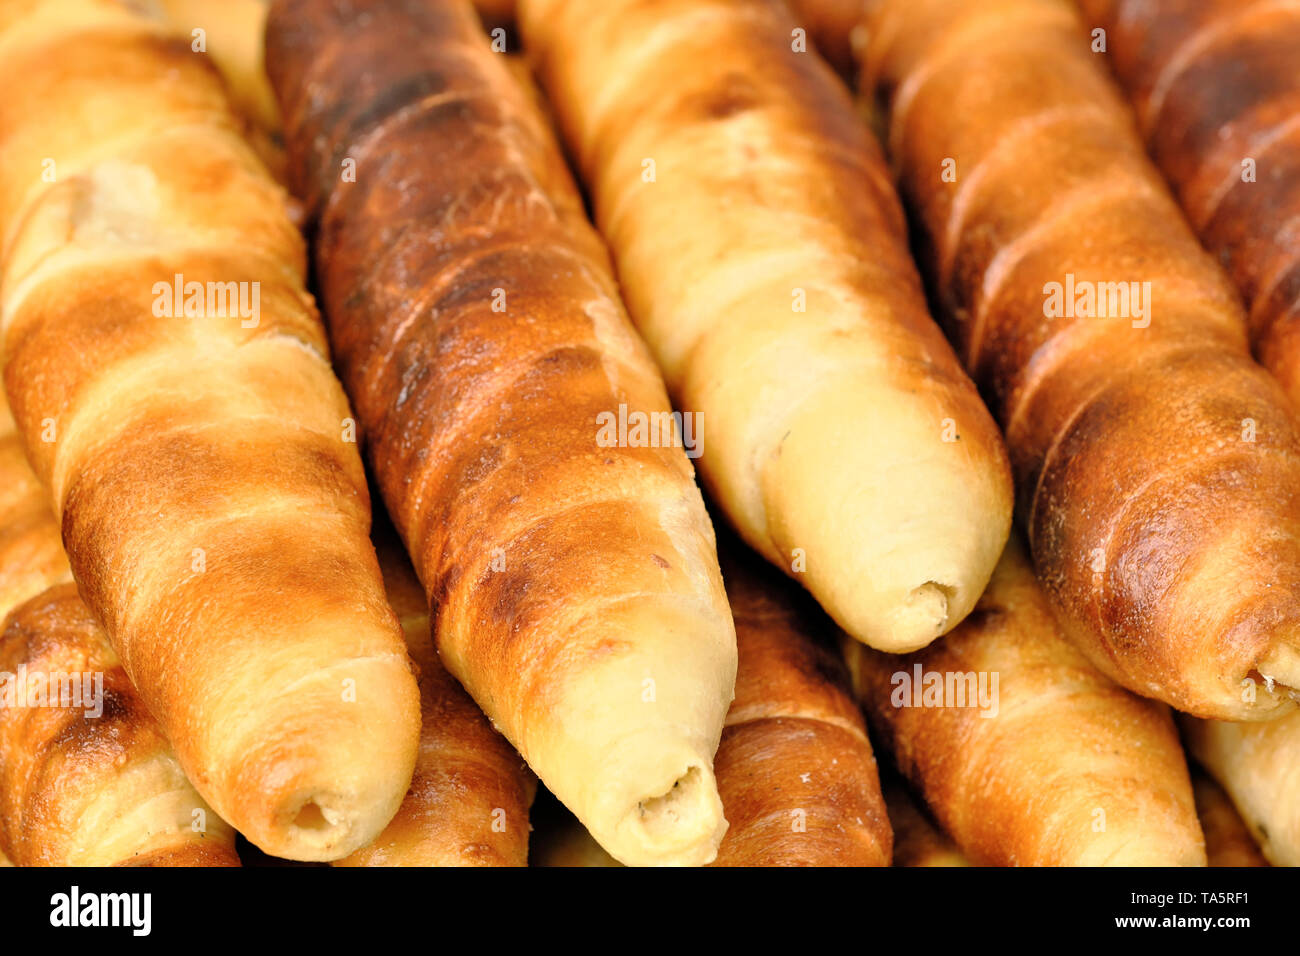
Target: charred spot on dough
<point x="107" y="735"/>
<point x="661" y="562"/>
<point x="507" y="593"/>
<point x="1283" y="302"/>
<point x="119" y="704"/>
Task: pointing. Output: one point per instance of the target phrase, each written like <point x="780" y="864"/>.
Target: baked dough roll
<point x="469" y="798"/>
<point x="763" y="255"/>
<point x="230" y="32"/>
<point x="1023" y="752"/>
<point x="1227" y="840"/>
<point x="1258" y="764"/>
<point x="569" y="562"/>
<point x="1217" y="94"/>
<point x="86" y="776"/>
<point x="917" y="840"/>
<point x="1158" y="466"/>
<point x="795" y="769"/>
<point x="171" y="382"/>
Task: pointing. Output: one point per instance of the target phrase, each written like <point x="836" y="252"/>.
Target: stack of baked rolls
<point x="209" y="628"/>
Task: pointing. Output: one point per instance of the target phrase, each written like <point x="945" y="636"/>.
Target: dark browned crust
<point x="53" y="761"/>
<point x="480" y="424"/>
<point x="1168" y="539"/>
<point x="795" y="770"/>
<point x="236" y="450"/>
<point x="1215" y="83"/>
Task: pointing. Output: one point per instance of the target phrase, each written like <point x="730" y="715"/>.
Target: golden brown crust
<point x="58" y="765"/>
<point x="1027" y="755"/>
<point x="91" y="781"/>
<point x="1227" y="840"/>
<point x="763" y="255"/>
<point x="479" y="331"/>
<point x="190" y="854"/>
<point x="1158" y="466"/>
<point x="795" y="769"/>
<point x="232" y="32"/>
<point x="215" y="514"/>
<point x="469" y="798"/>
<point x="1218" y="99"/>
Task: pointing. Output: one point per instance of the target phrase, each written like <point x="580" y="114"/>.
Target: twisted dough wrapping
<point x="795" y="769"/>
<point x="79" y="790"/>
<point x="469" y="798"/>
<point x="1052" y="765"/>
<point x="232" y="37"/>
<point x="1217" y="93"/>
<point x="1158" y="466"/>
<point x="573" y="576"/>
<point x="214" y="512"/>
<point x="95" y="785"/>
<point x="737" y="187"/>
